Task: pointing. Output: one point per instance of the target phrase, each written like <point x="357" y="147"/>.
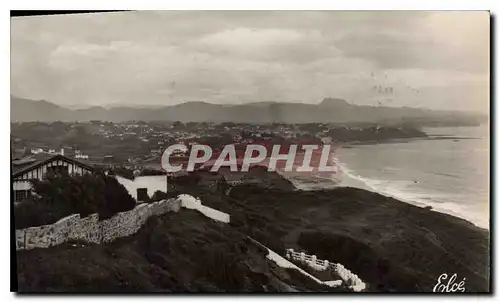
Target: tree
<point x="178" y="124"/>
<point x="60" y="195"/>
<point x="116" y="199"/>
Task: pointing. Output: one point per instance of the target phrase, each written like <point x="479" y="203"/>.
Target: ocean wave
<point x="404" y="191"/>
<point x="445" y="174"/>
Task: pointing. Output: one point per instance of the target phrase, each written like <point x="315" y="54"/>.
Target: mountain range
<point x="330" y="110"/>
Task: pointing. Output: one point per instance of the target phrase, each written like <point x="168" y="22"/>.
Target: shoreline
<point x="395" y="198"/>
<point x="352" y="144"/>
<point x="414" y="194"/>
<point x="366" y="188"/>
<point x="420" y="205"/>
<point x="350" y="179"/>
<point x="347" y="224"/>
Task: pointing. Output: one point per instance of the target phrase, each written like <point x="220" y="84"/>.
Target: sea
<point x="448" y="171"/>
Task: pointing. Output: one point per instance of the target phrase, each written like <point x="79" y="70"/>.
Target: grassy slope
<point x="392" y="245"/>
<point x="183" y="252"/>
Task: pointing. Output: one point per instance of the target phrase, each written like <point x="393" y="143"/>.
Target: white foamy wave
<point x="401" y="190"/>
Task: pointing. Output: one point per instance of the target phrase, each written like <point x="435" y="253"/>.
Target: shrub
<point x="123" y="172"/>
<point x="61" y="195"/>
<point x="151" y="172"/>
<point x="159" y="195"/>
<point x="116" y="199"/>
<point x="31" y="213"/>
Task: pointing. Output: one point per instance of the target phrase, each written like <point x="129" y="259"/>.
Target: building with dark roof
<point x="37" y="166"/>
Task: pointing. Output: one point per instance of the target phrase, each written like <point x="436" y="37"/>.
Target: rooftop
<point x="35" y="160"/>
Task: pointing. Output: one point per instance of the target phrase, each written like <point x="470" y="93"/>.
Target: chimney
<point x="62" y="151"/>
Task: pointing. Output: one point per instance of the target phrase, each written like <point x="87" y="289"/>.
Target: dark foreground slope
<point x="392" y="245"/>
<point x="183" y="252"/>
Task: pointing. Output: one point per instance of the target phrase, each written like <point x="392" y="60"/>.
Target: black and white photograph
<point x="277" y="151"/>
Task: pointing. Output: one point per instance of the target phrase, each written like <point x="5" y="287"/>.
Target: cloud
<point x="453" y="41"/>
<point x="87" y="49"/>
<point x="244" y="38"/>
<point x="227" y="57"/>
<point x="293" y="46"/>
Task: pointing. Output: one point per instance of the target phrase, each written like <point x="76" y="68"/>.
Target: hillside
<point x="392" y="245"/>
<point x="329" y="110"/>
<point x="182" y="252"/>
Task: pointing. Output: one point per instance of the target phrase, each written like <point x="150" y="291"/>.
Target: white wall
<point x="190" y="202"/>
<point x="214" y="214"/>
<point x="354" y="282"/>
<point x="282" y="262"/>
<point x="153" y="183"/>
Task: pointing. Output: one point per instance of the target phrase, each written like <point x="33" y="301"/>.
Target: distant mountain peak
<point x="329" y="110"/>
<point x="334" y="102"/>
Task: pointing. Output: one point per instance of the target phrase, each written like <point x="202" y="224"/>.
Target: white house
<point x="144" y="185"/>
<point x="36" y="150"/>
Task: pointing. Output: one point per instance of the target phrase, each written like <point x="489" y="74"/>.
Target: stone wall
<point x="92" y="230"/>
<point x="86" y="229"/>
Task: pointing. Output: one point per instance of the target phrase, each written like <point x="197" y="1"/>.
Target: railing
<point x="310" y="259"/>
<point x="351" y="279"/>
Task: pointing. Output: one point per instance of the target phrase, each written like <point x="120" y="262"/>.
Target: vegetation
<point x="159" y="195"/>
<point x="129" y="173"/>
<point x="152" y="172"/>
<point x="185" y="252"/>
<point x="123" y="172"/>
<point x="391" y="245"/>
<point x="60" y="195"/>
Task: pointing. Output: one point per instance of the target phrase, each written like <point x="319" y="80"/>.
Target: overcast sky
<point x="421" y="59"/>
